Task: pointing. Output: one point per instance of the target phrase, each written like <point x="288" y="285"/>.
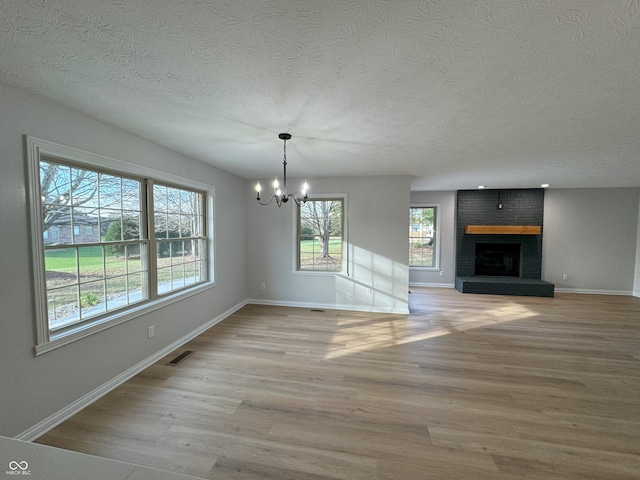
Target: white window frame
<point x="345" y="251"/>
<point x="38" y="148"/>
<point x="436" y="237"/>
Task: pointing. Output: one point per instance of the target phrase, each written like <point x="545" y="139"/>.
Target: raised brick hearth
<point x="521" y="208"/>
<point x="505" y="286"/>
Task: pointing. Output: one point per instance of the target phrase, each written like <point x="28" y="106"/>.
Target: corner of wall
<point x="636" y="276"/>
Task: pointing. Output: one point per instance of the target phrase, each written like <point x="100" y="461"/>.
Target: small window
<point x="320" y="226"/>
<point x="422" y="237"/>
<point x="180" y="241"/>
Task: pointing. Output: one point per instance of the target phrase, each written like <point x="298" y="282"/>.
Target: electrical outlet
<point x="263" y="286"/>
<point x="441" y="273"/>
<point x="565" y="276"/>
<point x="151" y="331"/>
<point x="369" y="292"/>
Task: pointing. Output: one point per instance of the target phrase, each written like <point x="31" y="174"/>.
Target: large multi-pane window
<point x="93" y="263"/>
<point x="320" y="226"/>
<point x="110" y="242"/>
<point x="422" y="237"/>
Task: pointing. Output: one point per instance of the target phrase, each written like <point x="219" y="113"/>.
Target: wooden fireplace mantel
<point x="503" y="229"/>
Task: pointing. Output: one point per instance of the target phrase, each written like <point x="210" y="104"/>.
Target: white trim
<point x="434" y="285"/>
<point x="315" y="273"/>
<point x="557" y="290"/>
<point x="37" y="243"/>
<point x="593" y="291"/>
<point x="70" y="153"/>
<point x="329" y="306"/>
<point x="60" y="416"/>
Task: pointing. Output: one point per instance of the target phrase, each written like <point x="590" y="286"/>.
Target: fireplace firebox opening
<point x="498" y="259"/>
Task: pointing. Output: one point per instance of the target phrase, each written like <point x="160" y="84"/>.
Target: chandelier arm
<point x="270" y="200"/>
<point x="298" y="202"/>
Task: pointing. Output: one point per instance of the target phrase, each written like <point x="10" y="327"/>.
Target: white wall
<point x="447" y="203"/>
<point x="377" y="222"/>
<point x="636" y="280"/>
<point x="34" y="388"/>
<point x="591" y="236"/>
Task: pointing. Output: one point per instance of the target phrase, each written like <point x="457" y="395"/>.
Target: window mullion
<point x="152" y="247"/>
<point x="78" y="288"/>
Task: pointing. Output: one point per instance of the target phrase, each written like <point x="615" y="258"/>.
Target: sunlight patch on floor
<point x="356" y="336"/>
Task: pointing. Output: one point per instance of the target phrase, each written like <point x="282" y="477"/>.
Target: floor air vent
<point x="316" y="310"/>
<point x="180" y="357"/>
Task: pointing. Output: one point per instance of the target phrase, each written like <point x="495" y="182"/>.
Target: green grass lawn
<point x="311" y="257"/>
<point x="421" y="256"/>
<point x="65" y="259"/>
<point x="104" y="279"/>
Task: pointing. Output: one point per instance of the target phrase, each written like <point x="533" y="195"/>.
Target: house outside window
<point x="320" y="235"/>
<point x="423" y="236"/>
<point x="95" y="262"/>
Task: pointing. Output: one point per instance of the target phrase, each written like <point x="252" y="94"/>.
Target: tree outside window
<point x="320" y="234"/>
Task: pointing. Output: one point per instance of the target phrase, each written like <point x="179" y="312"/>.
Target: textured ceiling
<point x="510" y="93"/>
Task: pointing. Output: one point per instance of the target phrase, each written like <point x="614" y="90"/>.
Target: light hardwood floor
<point x="466" y="387"/>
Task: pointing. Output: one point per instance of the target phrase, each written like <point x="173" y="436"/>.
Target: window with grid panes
<point x="422" y="236"/>
<point x="320" y="225"/>
<point x="95" y="259"/>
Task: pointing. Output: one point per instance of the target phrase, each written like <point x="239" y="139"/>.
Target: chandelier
<point x="281" y="195"/>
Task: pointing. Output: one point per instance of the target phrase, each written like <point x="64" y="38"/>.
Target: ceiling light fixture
<point x="281" y="195"/>
<point x="544" y="185"/>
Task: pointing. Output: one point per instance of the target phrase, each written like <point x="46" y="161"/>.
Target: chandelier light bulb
<point x="258" y="187"/>
<point x="276" y="184"/>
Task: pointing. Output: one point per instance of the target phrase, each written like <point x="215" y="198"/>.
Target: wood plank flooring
<point x="465" y="387"/>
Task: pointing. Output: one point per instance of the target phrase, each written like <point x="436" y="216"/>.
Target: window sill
<point x="70" y="336"/>
<point x="319" y="272"/>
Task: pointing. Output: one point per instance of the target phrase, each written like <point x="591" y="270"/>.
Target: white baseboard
<point x="61" y="415"/>
<point x="593" y="291"/>
<point x="556" y="289"/>
<point x="330" y="306"/>
<point x="434" y="285"/>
